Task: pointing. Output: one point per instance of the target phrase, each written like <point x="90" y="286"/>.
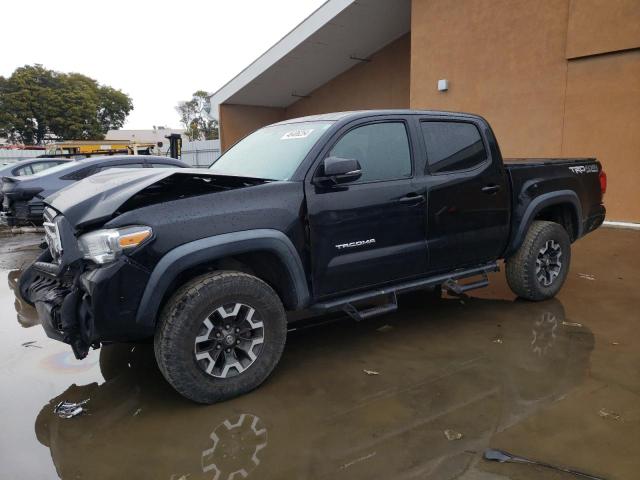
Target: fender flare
<point x="537" y="204"/>
<point x="212" y="248"/>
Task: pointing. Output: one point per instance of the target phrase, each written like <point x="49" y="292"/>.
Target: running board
<point x="449" y="281"/>
<point x="453" y="287"/>
<point x="359" y="315"/>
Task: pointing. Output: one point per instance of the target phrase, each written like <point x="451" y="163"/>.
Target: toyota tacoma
<point x="332" y="213"/>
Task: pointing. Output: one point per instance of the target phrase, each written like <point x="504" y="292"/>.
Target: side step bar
<point x="449" y="281"/>
<point x="455" y="288"/>
<point x="358" y="315"/>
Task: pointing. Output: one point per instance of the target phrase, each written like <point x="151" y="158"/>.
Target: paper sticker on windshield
<point x="300" y="133"/>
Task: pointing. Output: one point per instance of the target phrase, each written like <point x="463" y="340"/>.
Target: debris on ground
<point x="452" y="435"/>
<point x="384" y="328"/>
<point x="371" y="372"/>
<point x="66" y="409"/>
<point x="357" y="460"/>
<point x="137" y="412"/>
<point x="586" y="276"/>
<point x="501" y="456"/>
<point x="615" y="343"/>
<point x="604" y="413"/>
<point x="31" y="344"/>
<point x="497" y="339"/>
<point x="572" y="324"/>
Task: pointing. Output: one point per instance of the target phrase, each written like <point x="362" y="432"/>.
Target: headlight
<point x="104" y="246"/>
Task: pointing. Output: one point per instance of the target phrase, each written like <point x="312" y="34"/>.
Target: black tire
<point x="523" y="276"/>
<point x="182" y="320"/>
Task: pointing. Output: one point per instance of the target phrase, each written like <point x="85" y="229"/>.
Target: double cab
<point x="329" y="213"/>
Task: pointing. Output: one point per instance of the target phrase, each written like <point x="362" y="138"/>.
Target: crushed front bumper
<point x="80" y="303"/>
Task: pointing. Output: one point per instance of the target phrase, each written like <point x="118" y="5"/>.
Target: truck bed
<point x="577" y="179"/>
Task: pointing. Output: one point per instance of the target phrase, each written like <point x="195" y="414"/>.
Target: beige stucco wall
<point x="381" y="83"/>
<point x="598" y="26"/>
<point x="237" y="121"/>
<point x="549" y="75"/>
<point x="507" y="60"/>
<point x="603" y="119"/>
<point x="504" y="59"/>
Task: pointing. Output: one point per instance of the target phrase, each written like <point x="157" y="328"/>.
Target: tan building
<point x="553" y="77"/>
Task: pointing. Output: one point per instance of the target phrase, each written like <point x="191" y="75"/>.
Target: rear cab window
<point x="452" y="146"/>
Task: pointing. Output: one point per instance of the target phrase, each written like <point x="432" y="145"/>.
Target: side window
<point x="452" y="146"/>
<point x="80" y="174"/>
<point x="40" y="166"/>
<point x="381" y="148"/>
<point x="26" y="170"/>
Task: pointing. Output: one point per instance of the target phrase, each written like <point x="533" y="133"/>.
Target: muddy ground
<point x="557" y="381"/>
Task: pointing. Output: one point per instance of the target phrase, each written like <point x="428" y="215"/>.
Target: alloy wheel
<point x="548" y="263"/>
<point x="229" y="341"/>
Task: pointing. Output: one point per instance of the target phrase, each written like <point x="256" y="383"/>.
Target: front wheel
<point x="539" y="268"/>
<point x="220" y="335"/>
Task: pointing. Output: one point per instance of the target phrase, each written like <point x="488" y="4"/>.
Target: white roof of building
<point x="328" y="42"/>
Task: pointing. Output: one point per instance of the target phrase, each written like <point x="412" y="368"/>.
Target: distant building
<point x="156" y="135"/>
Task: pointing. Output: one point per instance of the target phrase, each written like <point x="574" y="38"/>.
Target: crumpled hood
<point x="96" y="198"/>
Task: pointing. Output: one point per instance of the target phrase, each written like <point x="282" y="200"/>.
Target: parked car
<point x="24" y="197"/>
<point x="27" y="167"/>
<point x="336" y="212"/>
<point x="30" y="166"/>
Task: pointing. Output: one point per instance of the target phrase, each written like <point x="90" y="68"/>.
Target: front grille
<point x="52" y="234"/>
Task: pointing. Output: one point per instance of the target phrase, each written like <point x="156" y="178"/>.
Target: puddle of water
<point x="320" y="415"/>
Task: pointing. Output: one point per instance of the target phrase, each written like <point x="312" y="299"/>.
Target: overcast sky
<point x="158" y="52"/>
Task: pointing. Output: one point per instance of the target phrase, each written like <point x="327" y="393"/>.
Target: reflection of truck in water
<point x="297" y="426"/>
<point x="74" y="148"/>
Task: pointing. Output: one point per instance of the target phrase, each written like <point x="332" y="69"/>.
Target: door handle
<point x="490" y="189"/>
<point x="412" y="199"/>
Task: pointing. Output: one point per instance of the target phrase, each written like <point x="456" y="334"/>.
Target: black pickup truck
<point x="335" y="212"/>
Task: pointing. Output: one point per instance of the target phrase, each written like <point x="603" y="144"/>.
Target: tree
<point x="37" y="103"/>
<point x="197" y="124"/>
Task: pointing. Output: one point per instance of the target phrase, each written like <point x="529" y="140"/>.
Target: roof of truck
<point x="355" y="114"/>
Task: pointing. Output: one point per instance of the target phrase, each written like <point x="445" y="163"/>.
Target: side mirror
<point x="337" y="170"/>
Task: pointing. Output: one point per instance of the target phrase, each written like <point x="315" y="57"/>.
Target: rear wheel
<point x="539" y="268"/>
<point x="220" y="336"/>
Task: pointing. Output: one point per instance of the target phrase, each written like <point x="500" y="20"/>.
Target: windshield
<point x="271" y="153"/>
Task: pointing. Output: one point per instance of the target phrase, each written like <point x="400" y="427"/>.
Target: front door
<point x="372" y="230"/>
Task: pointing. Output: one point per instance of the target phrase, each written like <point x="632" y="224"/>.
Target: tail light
<point x="603" y="182"/>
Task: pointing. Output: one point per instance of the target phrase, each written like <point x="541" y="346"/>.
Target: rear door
<point x="372" y="230"/>
<point x="468" y="198"/>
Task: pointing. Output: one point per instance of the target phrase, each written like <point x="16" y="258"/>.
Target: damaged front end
<point x="52" y="282"/>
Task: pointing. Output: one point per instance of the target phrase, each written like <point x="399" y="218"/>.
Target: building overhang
<point x="336" y="37"/>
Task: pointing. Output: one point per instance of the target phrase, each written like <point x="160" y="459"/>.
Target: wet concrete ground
<point x="558" y="381"/>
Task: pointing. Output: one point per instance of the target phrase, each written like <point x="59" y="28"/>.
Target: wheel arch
<point x="264" y="253"/>
<point x="562" y="206"/>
